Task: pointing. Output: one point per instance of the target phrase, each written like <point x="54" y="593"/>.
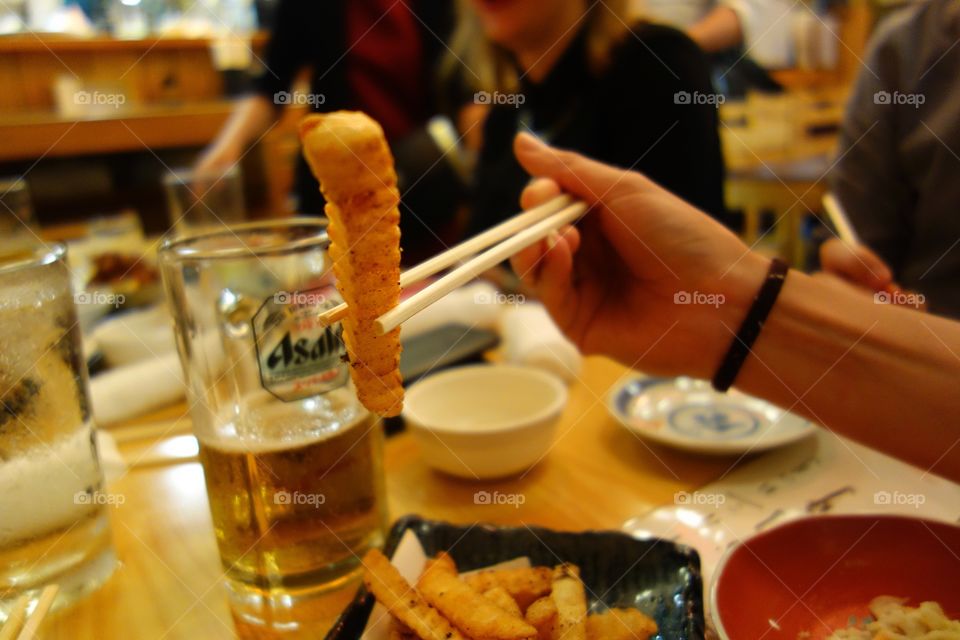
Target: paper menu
<point x="822" y="474"/>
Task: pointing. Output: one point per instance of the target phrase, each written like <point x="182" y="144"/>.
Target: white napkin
<point x="531" y="338"/>
<point x="474" y="305"/>
<point x="136" y="335"/>
<point x="135" y="389"/>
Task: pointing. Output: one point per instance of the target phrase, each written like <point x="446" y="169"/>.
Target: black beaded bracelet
<point x="751" y="326"/>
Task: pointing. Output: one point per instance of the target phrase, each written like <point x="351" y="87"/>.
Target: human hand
<point x="860" y="267"/>
<point x="645" y="277"/>
<point x="217" y="158"/>
<point x="855" y="264"/>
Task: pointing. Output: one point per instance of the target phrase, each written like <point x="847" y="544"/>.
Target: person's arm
<point x="867" y="177"/>
<point x="296" y="26"/>
<point x="250" y="118"/>
<point x="719" y="30"/>
<point x="649" y="280"/>
<point x="879" y="374"/>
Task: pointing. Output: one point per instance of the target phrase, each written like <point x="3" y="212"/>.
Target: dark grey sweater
<point x="898" y="168"/>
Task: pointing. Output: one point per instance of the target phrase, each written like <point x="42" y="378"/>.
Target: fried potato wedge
<point x="469" y="611"/>
<point x="524" y="585"/>
<point x="500" y="597"/>
<point x="542" y="614"/>
<point x="390" y="588"/>
<point x="620" y="624"/>
<point x="400" y="631"/>
<point x="348" y="154"/>
<point x="571" y="600"/>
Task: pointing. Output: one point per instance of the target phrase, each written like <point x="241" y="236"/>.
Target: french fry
<point x="390" y="588"/>
<point x="542" y="614"/>
<point x="470" y="612"/>
<point x="571" y="600"/>
<point x="500" y="597"/>
<point x="523" y="585"/>
<point x="348" y="154"/>
<point x="620" y="624"/>
<point x="400" y="631"/>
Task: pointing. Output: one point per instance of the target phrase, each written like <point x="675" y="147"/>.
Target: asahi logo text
<point x="293" y="353"/>
<point x="299" y="354"/>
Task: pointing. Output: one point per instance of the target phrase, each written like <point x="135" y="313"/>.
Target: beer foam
<point x="38" y="490"/>
<point x="283" y="433"/>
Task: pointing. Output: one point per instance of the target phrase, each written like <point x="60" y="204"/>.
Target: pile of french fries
<point x="535" y="603"/>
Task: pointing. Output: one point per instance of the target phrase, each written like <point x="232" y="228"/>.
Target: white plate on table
<point x="688" y="414"/>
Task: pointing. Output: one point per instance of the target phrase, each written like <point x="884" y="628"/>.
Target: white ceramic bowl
<point x="485" y="421"/>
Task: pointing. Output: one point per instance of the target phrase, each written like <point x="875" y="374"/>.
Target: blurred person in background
<point x="743" y="37"/>
<point x="576" y="75"/>
<point x="898" y="165"/>
<point x="378" y="56"/>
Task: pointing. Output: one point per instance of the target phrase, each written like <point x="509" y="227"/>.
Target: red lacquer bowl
<point x="813" y="574"/>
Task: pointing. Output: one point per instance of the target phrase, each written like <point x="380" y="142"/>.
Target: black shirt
<point x="635" y="115"/>
<point x="314" y="33"/>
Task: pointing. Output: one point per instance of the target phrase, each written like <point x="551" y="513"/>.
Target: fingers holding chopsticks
<point x="554" y="254"/>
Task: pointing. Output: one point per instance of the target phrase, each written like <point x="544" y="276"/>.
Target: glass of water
<point x="18" y="230"/>
<point x="53" y="521"/>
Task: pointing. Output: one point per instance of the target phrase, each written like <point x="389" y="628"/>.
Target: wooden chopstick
<point x="465" y="249"/>
<point x="15" y="620"/>
<point x="477" y="265"/>
<point x="839" y="219"/>
<point x="32" y="624"/>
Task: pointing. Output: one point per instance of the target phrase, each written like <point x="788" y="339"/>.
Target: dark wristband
<point x="751" y="326"/>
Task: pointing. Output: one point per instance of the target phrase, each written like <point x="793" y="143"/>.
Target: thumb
<point x="589" y="180"/>
<point x="855" y="264"/>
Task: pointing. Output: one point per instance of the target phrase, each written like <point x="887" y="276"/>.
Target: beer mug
<point x="203" y="201"/>
<point x="293" y="462"/>
<point x="54" y="526"/>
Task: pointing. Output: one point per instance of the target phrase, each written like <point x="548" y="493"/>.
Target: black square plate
<point x="658" y="577"/>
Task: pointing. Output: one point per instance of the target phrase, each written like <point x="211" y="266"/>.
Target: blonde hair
<point x="489" y="67"/>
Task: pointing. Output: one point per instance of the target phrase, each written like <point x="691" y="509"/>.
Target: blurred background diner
<point x="822" y="132"/>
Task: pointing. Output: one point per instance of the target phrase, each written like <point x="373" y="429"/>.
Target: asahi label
<point x="299" y="356"/>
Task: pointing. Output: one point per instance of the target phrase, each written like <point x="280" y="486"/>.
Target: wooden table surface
<point x="168" y="584"/>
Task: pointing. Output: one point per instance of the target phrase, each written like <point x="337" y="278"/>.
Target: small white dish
<point x="688" y="414"/>
<point x="485" y="421"/>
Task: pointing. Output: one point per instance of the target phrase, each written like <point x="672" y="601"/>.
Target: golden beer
<point x="294" y="514"/>
<point x="293" y="462"/>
